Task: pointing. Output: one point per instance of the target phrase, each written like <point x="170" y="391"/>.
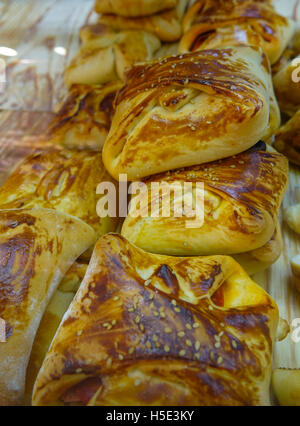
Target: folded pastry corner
<point x="237" y="208"/>
<point x="188" y="109"/>
<point x="62" y="180"/>
<point x="158" y="330"/>
<point x="37" y="248"/>
<point x="83" y="120"/>
<point x="212" y="24"/>
<point x="106" y="54"/>
<point x="166" y="24"/>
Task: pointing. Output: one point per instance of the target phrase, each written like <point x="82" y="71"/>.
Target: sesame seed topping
<point x="166" y="348"/>
<point x="188" y="326"/>
<point x="234" y="344"/>
<point x="79" y="370"/>
<point x="177" y="310"/>
<point x="109" y="362"/>
<point x="188" y="343"/>
<point x="148" y="344"/>
<point x="174" y="303"/>
<point x="217" y="345"/>
<point x="116" y="298"/>
<point x="220" y="360"/>
<point x="182" y="352"/>
<point x="168" y="330"/>
<point x="121" y="357"/>
<point x="137" y="319"/>
<point x="131" y="350"/>
<point x="196" y="325"/>
<point x="181" y="334"/>
<point x="197" y="345"/>
<point x="142" y="328"/>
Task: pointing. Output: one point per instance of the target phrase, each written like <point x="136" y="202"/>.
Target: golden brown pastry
<point x="287" y="139"/>
<point x="242" y="196"/>
<point x="262" y="258"/>
<point x="37" y="248"/>
<point x="157" y="330"/>
<point x="83" y="120"/>
<point x="211" y="24"/>
<point x="286" y="385"/>
<point x="292" y="217"/>
<point x="133" y="8"/>
<point x="189" y="109"/>
<point x="65" y="181"/>
<point x="105" y="55"/>
<point x="166" y="25"/>
<point x="287" y="87"/>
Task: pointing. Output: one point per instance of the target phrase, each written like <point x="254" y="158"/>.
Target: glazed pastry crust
<point x="189" y="109"/>
<point x="134" y="8"/>
<point x="83" y="120"/>
<point x="212" y="24"/>
<point x="159" y="330"/>
<point x="37" y="247"/>
<point x="242" y="196"/>
<point x="105" y="55"/>
<point x="62" y="180"/>
<point x="166" y="25"/>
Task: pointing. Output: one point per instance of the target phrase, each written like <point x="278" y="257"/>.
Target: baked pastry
<point x="65" y="181"/>
<point x="49" y="324"/>
<point x="262" y="258"/>
<point x="211" y="24"/>
<point x="237" y="207"/>
<point x="287" y="88"/>
<point x="157" y="330"/>
<point x="166" y="25"/>
<point x="114" y="53"/>
<point x="287" y="139"/>
<point x="134" y="8"/>
<point x="189" y="109"/>
<point x="286" y="385"/>
<point x="292" y="217"/>
<point x="37" y="247"/>
<point x="83" y="120"/>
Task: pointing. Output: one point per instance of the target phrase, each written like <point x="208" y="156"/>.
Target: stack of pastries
<point x="156" y="309"/>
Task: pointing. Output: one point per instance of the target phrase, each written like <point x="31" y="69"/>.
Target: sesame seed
<point x="182" y="352"/>
<point x="174" y="303"/>
<point x="196" y="325"/>
<point x="142" y="328"/>
<point x="114" y="322"/>
<point x="131" y="350"/>
<point x="177" y="310"/>
<point x="166" y="348"/>
<point x="151" y="297"/>
<point x="79" y="333"/>
<point x="168" y="330"/>
<point x="234" y="344"/>
<point x="121" y="357"/>
<point x="210" y="308"/>
<point x="137" y="319"/>
<point x="148" y="344"/>
<point x="148" y="282"/>
<point x="163" y="315"/>
<point x="181" y="334"/>
<point x="217" y="345"/>
<point x="79" y="370"/>
<point x="130" y="310"/>
<point x="197" y="345"/>
<point x="188" y="343"/>
<point x="220" y="360"/>
<point x="109" y="362"/>
<point x="154" y="338"/>
<point x="116" y="298"/>
<point x="155" y="313"/>
<point x="188" y="326"/>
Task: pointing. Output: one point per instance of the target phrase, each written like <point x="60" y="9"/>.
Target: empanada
<point x="114" y="53"/>
<point x="166" y="25"/>
<point x="287" y="87"/>
<point x="287" y="139"/>
<point x="211" y="24"/>
<point x="242" y="196"/>
<point x="37" y="248"/>
<point x="65" y="181"/>
<point x="134" y="8"/>
<point x="157" y="330"/>
<point x="189" y="109"/>
<point x="83" y="120"/>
